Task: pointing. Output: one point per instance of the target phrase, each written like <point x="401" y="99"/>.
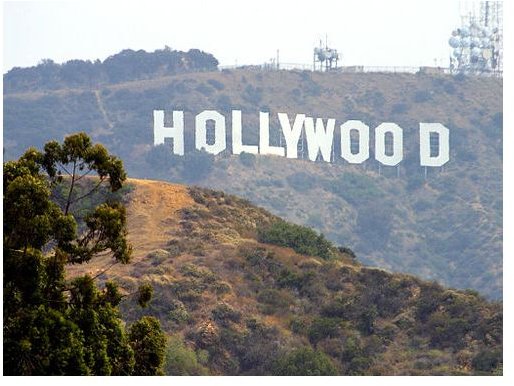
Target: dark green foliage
<point x="247" y="159"/>
<point x="161" y="157"/>
<point x="252" y="94"/>
<point x="197" y="165"/>
<point x="374" y="223"/>
<point x="428" y="301"/>
<point x="302" y="239"/>
<point x="273" y="301"/>
<point x="367" y="320"/>
<point x="301" y="181"/>
<point x="487" y="360"/>
<point x="305" y="361"/>
<point x="149" y="345"/>
<point x="217" y="85"/>
<point x="223" y="314"/>
<point x="145" y="293"/>
<point x="124" y="66"/>
<point x="399" y="108"/>
<point x="347" y="251"/>
<point x="181" y="360"/>
<point x="446" y="331"/>
<point x="322" y="328"/>
<point x="354" y="188"/>
<point x="374" y="98"/>
<point x="224" y="103"/>
<point x="54" y="327"/>
<point x="178" y="312"/>
<point x="422" y="96"/>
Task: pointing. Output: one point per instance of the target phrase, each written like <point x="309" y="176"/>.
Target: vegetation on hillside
<point x="127" y="65"/>
<point x="55" y="326"/>
<point x="446" y="227"/>
<point x="235" y="305"/>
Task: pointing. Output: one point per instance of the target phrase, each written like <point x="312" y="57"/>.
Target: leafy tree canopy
<point x="51" y="325"/>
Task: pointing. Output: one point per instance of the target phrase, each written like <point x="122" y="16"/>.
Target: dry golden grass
<point x="152" y="217"/>
<point x="152" y="214"/>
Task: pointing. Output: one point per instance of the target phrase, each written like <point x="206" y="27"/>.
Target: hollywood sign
<point x="319" y="136"/>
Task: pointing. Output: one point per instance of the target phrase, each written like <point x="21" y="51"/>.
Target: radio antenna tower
<point x="325" y="58"/>
<point x="477" y="46"/>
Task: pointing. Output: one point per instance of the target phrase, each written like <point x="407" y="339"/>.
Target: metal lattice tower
<point x="478" y="44"/>
<point x="325" y="58"/>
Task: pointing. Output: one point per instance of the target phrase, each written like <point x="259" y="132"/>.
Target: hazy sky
<point x="367" y="32"/>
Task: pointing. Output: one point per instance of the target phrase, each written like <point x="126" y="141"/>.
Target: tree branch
<point x="68" y="203"/>
<point x="102" y="179"/>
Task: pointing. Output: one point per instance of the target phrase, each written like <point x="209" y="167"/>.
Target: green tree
<point x="305" y="361"/>
<point x="149" y="345"/>
<point x="51" y="325"/>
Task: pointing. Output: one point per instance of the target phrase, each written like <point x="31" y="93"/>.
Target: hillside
<point x="235" y="305"/>
<point x="447" y="227"/>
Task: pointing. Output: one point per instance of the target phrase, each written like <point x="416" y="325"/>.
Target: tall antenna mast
<point x="477" y="45"/>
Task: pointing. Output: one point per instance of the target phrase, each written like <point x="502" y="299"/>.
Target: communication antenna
<point x="325" y="58"/>
<point x="477" y="45"/>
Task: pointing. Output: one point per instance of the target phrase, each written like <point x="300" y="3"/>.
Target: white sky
<point x="366" y="32"/>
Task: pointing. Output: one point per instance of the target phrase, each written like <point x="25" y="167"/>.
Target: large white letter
<point x="292" y="135"/>
<point x="237" y="135"/>
<point x="160" y="132"/>
<point x="380" y="153"/>
<point x="319" y="139"/>
<point x="443" y="134"/>
<point x="346" y="142"/>
<point x="265" y="148"/>
<point x="220" y="140"/>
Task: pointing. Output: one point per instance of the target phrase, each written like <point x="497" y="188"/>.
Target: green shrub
<point x="422" y="96"/>
<point x="252" y="94"/>
<point x="223" y="314"/>
<point x="302" y="239"/>
<point x="224" y="103"/>
<point x="399" y="108"/>
<point x="217" y="85"/>
<point x="301" y="181"/>
<point x="487" y="360"/>
<point x="322" y="328"/>
<point x="222" y="287"/>
<point x="181" y="360"/>
<point x="273" y="301"/>
<point x="367" y="319"/>
<point x="247" y="159"/>
<point x="299" y="326"/>
<point x="198" y="164"/>
<point x="358" y="365"/>
<point x="446" y="331"/>
<point x="178" y="312"/>
<point x="305" y="361"/>
<point x="204" y="89"/>
<point x="202" y="273"/>
<point x="338" y="308"/>
<point x="354" y="188"/>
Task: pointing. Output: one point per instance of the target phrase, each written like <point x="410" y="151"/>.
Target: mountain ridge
<point x="234" y="304"/>
<point x="447" y="227"/>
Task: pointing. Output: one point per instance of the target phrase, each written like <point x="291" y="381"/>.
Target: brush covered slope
<point x="446" y="227"/>
<point x="242" y="292"/>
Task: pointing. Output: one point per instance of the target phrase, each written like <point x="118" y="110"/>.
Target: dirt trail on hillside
<point x="152" y="214"/>
<point x="152" y="219"/>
